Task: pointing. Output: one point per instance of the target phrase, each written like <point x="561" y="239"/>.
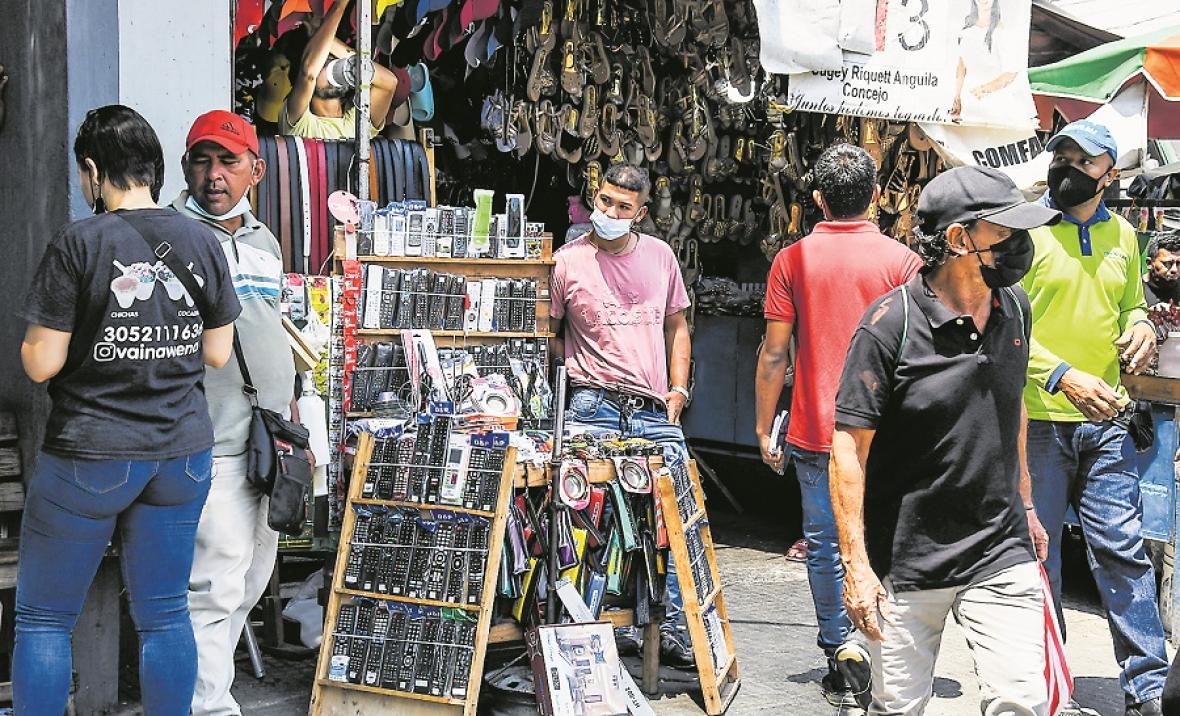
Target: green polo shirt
<point x="312" y="126"/>
<point x="1085" y="290"/>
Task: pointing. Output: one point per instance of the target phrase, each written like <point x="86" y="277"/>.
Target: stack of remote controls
<point x="420" y="650"/>
<point x="702" y="576"/>
<point x="432" y="466"/>
<point x="402" y="553"/>
<point x="394" y="298"/>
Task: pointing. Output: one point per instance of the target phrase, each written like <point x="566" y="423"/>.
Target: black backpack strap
<point x="247" y="383"/>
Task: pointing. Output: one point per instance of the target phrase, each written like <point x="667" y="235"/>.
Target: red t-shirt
<point x="823" y="284"/>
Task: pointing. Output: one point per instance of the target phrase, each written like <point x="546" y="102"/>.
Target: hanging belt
<point x="396" y="171"/>
<point x="293" y="165"/>
<point x="315" y="198"/>
<point x="422" y="172"/>
<point x="322" y="243"/>
<point x="374" y="185"/>
<point x="284" y="171"/>
<point x="301" y="258"/>
<point x="331" y="157"/>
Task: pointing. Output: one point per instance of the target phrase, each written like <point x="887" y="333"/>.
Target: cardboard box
<point x="576" y="670"/>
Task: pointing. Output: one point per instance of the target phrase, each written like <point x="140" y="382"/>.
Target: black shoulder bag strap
<point x="163" y="251"/>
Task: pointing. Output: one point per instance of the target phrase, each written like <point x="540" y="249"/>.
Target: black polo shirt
<point x="942" y="502"/>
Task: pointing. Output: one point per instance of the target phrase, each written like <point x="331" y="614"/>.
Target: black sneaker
<point x="1147" y="708"/>
<point x="856" y="668"/>
<point x="835" y="691"/>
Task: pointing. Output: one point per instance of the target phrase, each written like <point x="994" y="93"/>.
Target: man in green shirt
<point x="1089" y="322"/>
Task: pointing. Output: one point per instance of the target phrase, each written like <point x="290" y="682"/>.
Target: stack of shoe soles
<point x="292" y="198"/>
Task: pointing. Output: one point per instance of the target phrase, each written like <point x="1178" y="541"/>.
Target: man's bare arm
<point x="314" y="59"/>
<point x="679" y="346"/>
<point x="864" y="596"/>
<point x="768" y="386"/>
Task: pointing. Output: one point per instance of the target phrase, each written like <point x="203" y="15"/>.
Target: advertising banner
<point x="938" y="61"/>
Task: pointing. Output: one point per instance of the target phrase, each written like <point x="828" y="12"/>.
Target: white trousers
<point x="1002" y="618"/>
<point x="235" y="555"/>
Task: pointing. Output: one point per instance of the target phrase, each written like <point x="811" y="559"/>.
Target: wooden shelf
<point x="453" y="261"/>
<point x="460" y="334"/>
<point x="409" y="600"/>
<point x="391" y="692"/>
<point x="423" y="506"/>
<point x="509" y="632"/>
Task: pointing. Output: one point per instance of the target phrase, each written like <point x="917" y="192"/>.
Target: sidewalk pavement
<point x="774" y="629"/>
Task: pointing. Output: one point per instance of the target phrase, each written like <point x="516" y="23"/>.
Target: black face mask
<point x="1070" y="186"/>
<point x="1011" y="259"/>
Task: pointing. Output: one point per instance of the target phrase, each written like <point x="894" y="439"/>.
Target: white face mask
<point x="608" y="228"/>
<point x="242" y="208"/>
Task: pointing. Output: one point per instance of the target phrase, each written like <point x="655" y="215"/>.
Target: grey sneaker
<point x="856" y="668"/>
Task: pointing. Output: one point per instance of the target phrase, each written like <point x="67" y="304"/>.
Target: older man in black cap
<point x="929" y="482"/>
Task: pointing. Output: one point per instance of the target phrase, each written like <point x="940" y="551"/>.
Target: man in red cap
<point x="236" y="548"/>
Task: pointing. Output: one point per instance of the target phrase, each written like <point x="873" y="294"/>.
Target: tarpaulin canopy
<point x="1077" y="86"/>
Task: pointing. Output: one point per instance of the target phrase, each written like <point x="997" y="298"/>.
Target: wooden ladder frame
<point x="334" y="698"/>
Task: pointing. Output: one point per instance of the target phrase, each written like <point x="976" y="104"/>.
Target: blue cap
<point x="1093" y="138"/>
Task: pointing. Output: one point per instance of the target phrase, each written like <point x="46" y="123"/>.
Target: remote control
<point x="401" y="476"/>
<point x="394" y="647"/>
<point x="356" y="555"/>
<point x="444" y="657"/>
<point x="477" y="560"/>
<point x="405" y="672"/>
<point x="415" y="587"/>
<point x="376" y="656"/>
<point x="530" y="304"/>
<point x="464" y="651"/>
<point x="440" y="436"/>
<point x="476" y="464"/>
<point x="456" y="586"/>
<point x="424" y="668"/>
<point x="402" y="555"/>
<point x="418" y="473"/>
<point x="360" y="645"/>
<point x="444" y="541"/>
<point x="454" y="478"/>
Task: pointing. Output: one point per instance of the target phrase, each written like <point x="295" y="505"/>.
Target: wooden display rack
<point x="719" y="682"/>
<point x="334" y="698"/>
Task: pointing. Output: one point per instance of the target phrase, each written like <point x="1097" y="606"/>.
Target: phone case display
<point x="412" y="599"/>
<point x="413" y="229"/>
<point x="395" y="298"/>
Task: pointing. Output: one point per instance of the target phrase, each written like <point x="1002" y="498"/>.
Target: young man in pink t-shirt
<point x="621" y="300"/>
<point x="819" y="289"/>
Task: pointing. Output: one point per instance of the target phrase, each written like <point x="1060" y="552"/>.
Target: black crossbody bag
<point x="276" y="448"/>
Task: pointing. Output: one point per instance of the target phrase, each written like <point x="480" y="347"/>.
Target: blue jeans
<point x="1091" y="466"/>
<point x="825" y="572"/>
<point x="589" y="411"/>
<point x="71" y="513"/>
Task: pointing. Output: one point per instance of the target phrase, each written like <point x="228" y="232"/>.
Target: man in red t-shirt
<point x="819" y="289"/>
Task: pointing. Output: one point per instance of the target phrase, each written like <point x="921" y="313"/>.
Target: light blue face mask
<point x="608" y="228"/>
<point x="242" y="208"/>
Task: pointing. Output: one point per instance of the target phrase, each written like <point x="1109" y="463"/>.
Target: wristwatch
<point x="683" y="391"/>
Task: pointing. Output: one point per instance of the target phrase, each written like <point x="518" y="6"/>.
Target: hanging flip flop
<point x="524" y="132"/>
<point x="536" y="81"/>
<point x="736" y="226"/>
<point x="599" y="62"/>
<point x="704" y="227"/>
<point x="421" y="93"/>
<point x="593" y="175"/>
<point x="609" y="138"/>
<point x="547" y="128"/>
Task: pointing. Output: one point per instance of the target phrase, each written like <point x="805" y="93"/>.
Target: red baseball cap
<point x="223" y="128"/>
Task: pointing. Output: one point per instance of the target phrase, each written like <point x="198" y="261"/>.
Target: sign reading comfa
<point x="941" y="61"/>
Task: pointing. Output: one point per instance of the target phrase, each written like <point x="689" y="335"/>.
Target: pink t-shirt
<point x="614" y="309"/>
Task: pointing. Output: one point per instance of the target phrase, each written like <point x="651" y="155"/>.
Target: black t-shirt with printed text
<point x="132" y="386"/>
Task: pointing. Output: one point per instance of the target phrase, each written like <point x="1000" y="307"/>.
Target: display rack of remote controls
<point x="691" y="542"/>
<point x="415" y="582"/>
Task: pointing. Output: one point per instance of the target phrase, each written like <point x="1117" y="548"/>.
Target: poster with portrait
<point x="938" y="61"/>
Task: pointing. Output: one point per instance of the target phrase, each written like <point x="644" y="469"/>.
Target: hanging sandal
<point x="590" y="116"/>
<point x="704" y="227"/>
<point x="778" y="150"/>
<point x="524" y="133"/>
<point x="749" y="224"/>
<point x="547" y="128"/>
<point x="599" y="62"/>
<point x="677" y="148"/>
<point x="736" y="226"/>
<point x="536" y="82"/>
<point x="720" y="218"/>
<point x="569" y="144"/>
<point x="571" y="76"/>
<point x="593" y="175"/>
<point x="609" y="138"/>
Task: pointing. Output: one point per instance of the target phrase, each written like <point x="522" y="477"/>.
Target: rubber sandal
<point x="571" y="76"/>
<point x="536" y="82"/>
<point x="591" y="148"/>
<point x="749" y="224"/>
<point x="541" y="36"/>
<point x="712" y="166"/>
<point x="645" y="127"/>
<point x="506" y="137"/>
<point x="702" y="138"/>
<point x="662" y="209"/>
<point x="436" y="40"/>
<point x="590" y="114"/>
<point x="654" y="151"/>
<point x="695" y="211"/>
<point x="675" y="225"/>
<point x="477" y="47"/>
<point x="647" y="76"/>
<point x="571" y="25"/>
<point x="719" y="24"/>
<point x="798" y="551"/>
<point x="739" y="71"/>
<point x="727" y="166"/>
<point x="692" y="262"/>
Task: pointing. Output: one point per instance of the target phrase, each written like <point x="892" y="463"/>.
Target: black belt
<point x="396" y="170"/>
<point x="422" y="171"/>
<point x="629" y="402"/>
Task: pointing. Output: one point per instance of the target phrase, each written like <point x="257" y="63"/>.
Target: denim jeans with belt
<point x="825" y="572"/>
<point x="71" y="513"/>
<point x="1091" y="466"/>
<point x="590" y="411"/>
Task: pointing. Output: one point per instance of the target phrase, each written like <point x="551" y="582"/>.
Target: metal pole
<point x="555" y="506"/>
<point x="364" y="47"/>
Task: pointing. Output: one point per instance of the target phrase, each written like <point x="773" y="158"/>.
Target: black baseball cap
<point x="969" y="193"/>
